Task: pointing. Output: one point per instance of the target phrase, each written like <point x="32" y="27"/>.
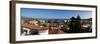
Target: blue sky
<point x="54" y="13"/>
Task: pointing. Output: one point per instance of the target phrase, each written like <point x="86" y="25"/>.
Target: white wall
<point x="4" y="22"/>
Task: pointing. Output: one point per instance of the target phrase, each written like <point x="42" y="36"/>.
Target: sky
<point x="54" y="13"/>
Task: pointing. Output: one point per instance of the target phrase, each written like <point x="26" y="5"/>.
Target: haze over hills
<point x="29" y="18"/>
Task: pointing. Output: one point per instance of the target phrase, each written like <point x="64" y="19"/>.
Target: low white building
<point x="29" y="29"/>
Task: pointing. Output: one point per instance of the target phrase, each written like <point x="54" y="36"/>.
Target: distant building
<point x="35" y="22"/>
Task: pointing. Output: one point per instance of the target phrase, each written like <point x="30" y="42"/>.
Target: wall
<point x="4" y="22"/>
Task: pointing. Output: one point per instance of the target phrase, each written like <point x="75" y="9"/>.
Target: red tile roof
<point x="30" y="26"/>
<point x="56" y="31"/>
<point x="51" y="31"/>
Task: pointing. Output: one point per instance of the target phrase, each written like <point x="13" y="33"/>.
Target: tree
<point x="72" y="19"/>
<point x="72" y="24"/>
<point x="75" y="24"/>
<point x="26" y="21"/>
<point x="78" y="24"/>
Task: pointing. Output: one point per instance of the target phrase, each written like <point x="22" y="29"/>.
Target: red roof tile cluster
<point x="55" y="31"/>
<point x="37" y="27"/>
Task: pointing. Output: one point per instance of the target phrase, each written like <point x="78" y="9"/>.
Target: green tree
<point x="78" y="24"/>
<point x="26" y="21"/>
<point x="75" y="24"/>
